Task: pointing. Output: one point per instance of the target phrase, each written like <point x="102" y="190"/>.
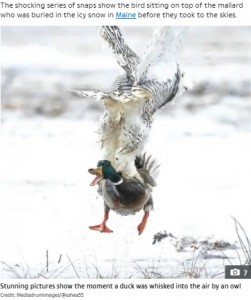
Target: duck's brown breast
<point x="127" y="198"/>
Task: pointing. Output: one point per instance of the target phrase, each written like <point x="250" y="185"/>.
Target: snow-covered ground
<point x="48" y="139"/>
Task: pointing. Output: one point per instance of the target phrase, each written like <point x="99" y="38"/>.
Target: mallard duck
<point x="125" y="195"/>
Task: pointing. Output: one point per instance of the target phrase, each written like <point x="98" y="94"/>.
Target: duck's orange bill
<point x="99" y="175"/>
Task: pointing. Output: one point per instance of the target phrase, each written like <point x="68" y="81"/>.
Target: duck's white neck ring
<point x="119" y="182"/>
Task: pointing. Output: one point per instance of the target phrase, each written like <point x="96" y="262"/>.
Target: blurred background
<point x="202" y="141"/>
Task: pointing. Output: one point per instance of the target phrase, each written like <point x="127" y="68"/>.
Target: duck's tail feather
<point x="148" y="168"/>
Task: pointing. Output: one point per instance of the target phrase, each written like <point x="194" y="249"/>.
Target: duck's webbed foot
<point x="102" y="227"/>
<point x="142" y="225"/>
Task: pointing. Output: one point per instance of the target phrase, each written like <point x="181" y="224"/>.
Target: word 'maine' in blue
<point x="126" y="15"/>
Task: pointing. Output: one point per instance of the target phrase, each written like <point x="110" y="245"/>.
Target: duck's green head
<point x="105" y="170"/>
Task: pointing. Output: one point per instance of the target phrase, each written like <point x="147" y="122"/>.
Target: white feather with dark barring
<point x="146" y="85"/>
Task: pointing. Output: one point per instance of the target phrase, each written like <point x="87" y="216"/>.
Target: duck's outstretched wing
<point x="126" y="58"/>
<point x="148" y="169"/>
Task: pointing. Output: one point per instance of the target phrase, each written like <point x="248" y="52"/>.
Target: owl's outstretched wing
<point x="159" y="62"/>
<point x="126" y="58"/>
<point x="159" y="72"/>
